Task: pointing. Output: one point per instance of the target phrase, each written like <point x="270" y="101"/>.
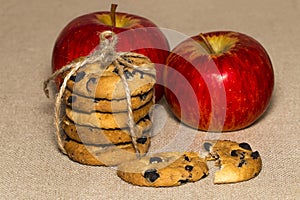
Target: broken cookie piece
<point x="237" y="161"/>
<point x="164" y="169"/>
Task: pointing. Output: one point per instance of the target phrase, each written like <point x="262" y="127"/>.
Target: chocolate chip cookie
<point x="96" y="81"/>
<point x="92" y="135"/>
<point x="107" y="120"/>
<point x="104" y="155"/>
<point x="87" y="104"/>
<point x="237" y="161"/>
<point x="164" y="169"/>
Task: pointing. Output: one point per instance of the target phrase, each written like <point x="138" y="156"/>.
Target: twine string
<point x="105" y="53"/>
<point x="131" y="123"/>
<point x="59" y="134"/>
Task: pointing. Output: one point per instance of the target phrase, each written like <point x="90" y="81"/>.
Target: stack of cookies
<point x="96" y="112"/>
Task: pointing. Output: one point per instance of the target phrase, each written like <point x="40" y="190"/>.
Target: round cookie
<point x="96" y="81"/>
<point x="164" y="169"/>
<point x="237" y="161"/>
<point x="91" y="135"/>
<point x="107" y="120"/>
<point x="104" y="155"/>
<point x="87" y="104"/>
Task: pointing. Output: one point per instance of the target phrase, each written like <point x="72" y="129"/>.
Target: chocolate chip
<point x="187" y="158"/>
<point x="91" y="80"/>
<point x="239" y="153"/>
<point x="143" y="96"/>
<point x="127" y="59"/>
<point x="204" y="175"/>
<point x="128" y="74"/>
<point x="245" y="146"/>
<point x="216" y="156"/>
<point x="183" y="181"/>
<point x="73" y="78"/>
<point x="155" y="160"/>
<point x="207" y="146"/>
<point x="147" y="117"/>
<point x="116" y="70"/>
<point x="78" y="77"/>
<point x="233" y="153"/>
<point x="142" y="140"/>
<point x="242" y="163"/>
<point x="189" y="168"/>
<point x="142" y="74"/>
<point x="255" y="155"/>
<point x="242" y="155"/>
<point x="71" y="99"/>
<point x="151" y="175"/>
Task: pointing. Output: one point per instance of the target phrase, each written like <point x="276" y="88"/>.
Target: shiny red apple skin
<point x="226" y="91"/>
<point x="139" y="35"/>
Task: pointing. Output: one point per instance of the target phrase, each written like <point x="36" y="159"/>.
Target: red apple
<point x="219" y="81"/>
<point x="135" y="33"/>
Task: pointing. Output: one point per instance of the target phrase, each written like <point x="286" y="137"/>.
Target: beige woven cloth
<point x="31" y="166"/>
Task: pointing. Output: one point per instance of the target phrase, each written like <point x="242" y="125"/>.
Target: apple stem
<point x="207" y="44"/>
<point x="113" y="9"/>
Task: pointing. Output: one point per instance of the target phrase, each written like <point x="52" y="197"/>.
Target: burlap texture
<point x="31" y="167"/>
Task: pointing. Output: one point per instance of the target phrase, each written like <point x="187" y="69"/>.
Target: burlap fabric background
<point x="31" y="167"/>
